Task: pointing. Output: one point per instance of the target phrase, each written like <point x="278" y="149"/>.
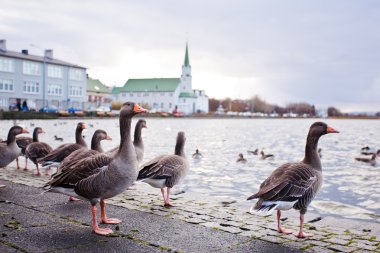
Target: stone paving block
<point x="363" y="246"/>
<point x="341" y="248"/>
<point x="319" y="249"/>
<point x="336" y="240"/>
<point x="233" y="230"/>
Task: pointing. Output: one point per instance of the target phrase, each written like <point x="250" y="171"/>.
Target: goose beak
<point x="138" y="109"/>
<point x="84" y="126"/>
<point x="331" y="130"/>
<point x="109" y="138"/>
<point x="25" y="131"/>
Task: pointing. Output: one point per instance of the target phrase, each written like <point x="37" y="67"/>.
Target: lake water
<point x="350" y="188"/>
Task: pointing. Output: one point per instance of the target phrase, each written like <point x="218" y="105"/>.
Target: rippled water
<point x="350" y="188"/>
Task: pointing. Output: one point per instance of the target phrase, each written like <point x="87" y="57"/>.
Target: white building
<point x="42" y="80"/>
<point x="165" y="94"/>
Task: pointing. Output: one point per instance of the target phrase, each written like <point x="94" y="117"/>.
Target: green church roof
<point x="187" y="95"/>
<point x="149" y="85"/>
<point x="94" y="85"/>
<point x="187" y="61"/>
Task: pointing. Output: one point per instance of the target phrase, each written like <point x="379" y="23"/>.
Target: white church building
<point x="165" y="94"/>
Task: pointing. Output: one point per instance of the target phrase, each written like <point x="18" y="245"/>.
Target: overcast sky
<point x="321" y="52"/>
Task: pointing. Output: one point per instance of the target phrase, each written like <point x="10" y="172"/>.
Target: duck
<point x="294" y="185"/>
<point x="197" y="154"/>
<point x="371" y="161"/>
<point x="58" y="138"/>
<point x="55" y="157"/>
<point x="265" y="156"/>
<point x="371" y="152"/>
<point x="36" y="150"/>
<point x="254" y="152"/>
<point x="241" y="159"/>
<point x="9" y="151"/>
<point x="137" y="140"/>
<point x="91" y="182"/>
<point x="166" y="171"/>
<point x="23" y="142"/>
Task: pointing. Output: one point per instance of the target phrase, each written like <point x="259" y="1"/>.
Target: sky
<point x="324" y="52"/>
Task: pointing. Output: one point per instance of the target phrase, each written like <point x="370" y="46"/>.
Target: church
<point x="165" y="94"/>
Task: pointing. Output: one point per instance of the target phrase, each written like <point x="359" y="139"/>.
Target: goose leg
<point x="163" y="195"/>
<point x="47" y="172"/>
<point x="95" y="227"/>
<point x="301" y="234"/>
<point x="18" y="167"/>
<point x="281" y="229"/>
<point x="104" y="216"/>
<point x="26" y="164"/>
<point x="2" y="185"/>
<point x="71" y="198"/>
<point x="38" y="170"/>
<point x="167" y="203"/>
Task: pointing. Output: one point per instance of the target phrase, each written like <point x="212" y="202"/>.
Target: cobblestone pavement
<point x="330" y="234"/>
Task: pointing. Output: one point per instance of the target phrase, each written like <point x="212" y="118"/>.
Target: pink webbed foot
<point x="284" y="230"/>
<point x="168" y="205"/>
<point x="111" y="221"/>
<point x="38" y="174"/>
<point x="25" y="169"/>
<point x="73" y="199"/>
<point x="302" y="234"/>
<point x="2" y="185"/>
<point x="102" y="231"/>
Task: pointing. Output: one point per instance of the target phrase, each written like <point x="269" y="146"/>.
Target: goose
<point x="265" y="156"/>
<point x="371" y="160"/>
<point x="23" y="142"/>
<point x="166" y="170"/>
<point x="36" y="150"/>
<point x="254" y="152"/>
<point x="71" y="161"/>
<point x="241" y="159"/>
<point x="95" y="183"/>
<point x="371" y="152"/>
<point x="9" y="151"/>
<point x="137" y="140"/>
<point x="294" y="185"/>
<point x="55" y="157"/>
<point x="58" y="138"/>
<point x="197" y="154"/>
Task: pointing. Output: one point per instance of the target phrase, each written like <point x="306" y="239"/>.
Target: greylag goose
<point x="36" y="150"/>
<point x="294" y="185"/>
<point x="197" y="154"/>
<point x="371" y="160"/>
<point x="166" y="170"/>
<point x="254" y="152"/>
<point x="137" y="141"/>
<point x="55" y="157"/>
<point x="241" y="159"/>
<point x="94" y="182"/>
<point x="369" y="152"/>
<point x="265" y="156"/>
<point x="71" y="161"/>
<point x="23" y="142"/>
<point x="9" y="150"/>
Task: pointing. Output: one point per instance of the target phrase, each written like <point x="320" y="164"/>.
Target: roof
<point x="187" y="61"/>
<point x="94" y="85"/>
<point x="187" y="95"/>
<point x="30" y="57"/>
<point x="149" y="85"/>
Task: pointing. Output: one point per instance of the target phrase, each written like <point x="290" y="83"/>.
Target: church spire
<point x="187" y="62"/>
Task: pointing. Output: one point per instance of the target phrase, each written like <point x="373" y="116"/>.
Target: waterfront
<point x="350" y="188"/>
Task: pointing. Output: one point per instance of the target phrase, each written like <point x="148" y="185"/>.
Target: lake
<point x="350" y="189"/>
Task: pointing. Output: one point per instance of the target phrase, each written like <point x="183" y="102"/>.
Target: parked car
<point x="49" y="109"/>
<point x="73" y="110"/>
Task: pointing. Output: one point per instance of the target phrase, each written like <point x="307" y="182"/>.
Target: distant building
<point x="98" y="94"/>
<point x="42" y="80"/>
<point x="165" y="94"/>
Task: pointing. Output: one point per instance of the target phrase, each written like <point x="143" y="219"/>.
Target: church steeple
<point x="187" y="61"/>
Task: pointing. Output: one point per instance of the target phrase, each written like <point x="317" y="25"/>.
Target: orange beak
<point x="331" y="130"/>
<point x="109" y="138"/>
<point x="25" y="131"/>
<point x="138" y="109"/>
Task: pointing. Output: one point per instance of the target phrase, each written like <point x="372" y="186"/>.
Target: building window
<point x="170" y="105"/>
<point x="131" y="94"/>
<point x="55" y="90"/>
<point x="162" y="105"/>
<point x="76" y="74"/>
<point x="6" y="85"/>
<point x="146" y="94"/>
<point x="89" y="98"/>
<point x="31" y="68"/>
<point x="123" y="95"/>
<point x="6" y="64"/>
<point x="138" y="94"/>
<point x="55" y="71"/>
<point x="171" y="94"/>
<point x="162" y="94"/>
<point x="184" y="100"/>
<point x="31" y="87"/>
<point x="75" y="91"/>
